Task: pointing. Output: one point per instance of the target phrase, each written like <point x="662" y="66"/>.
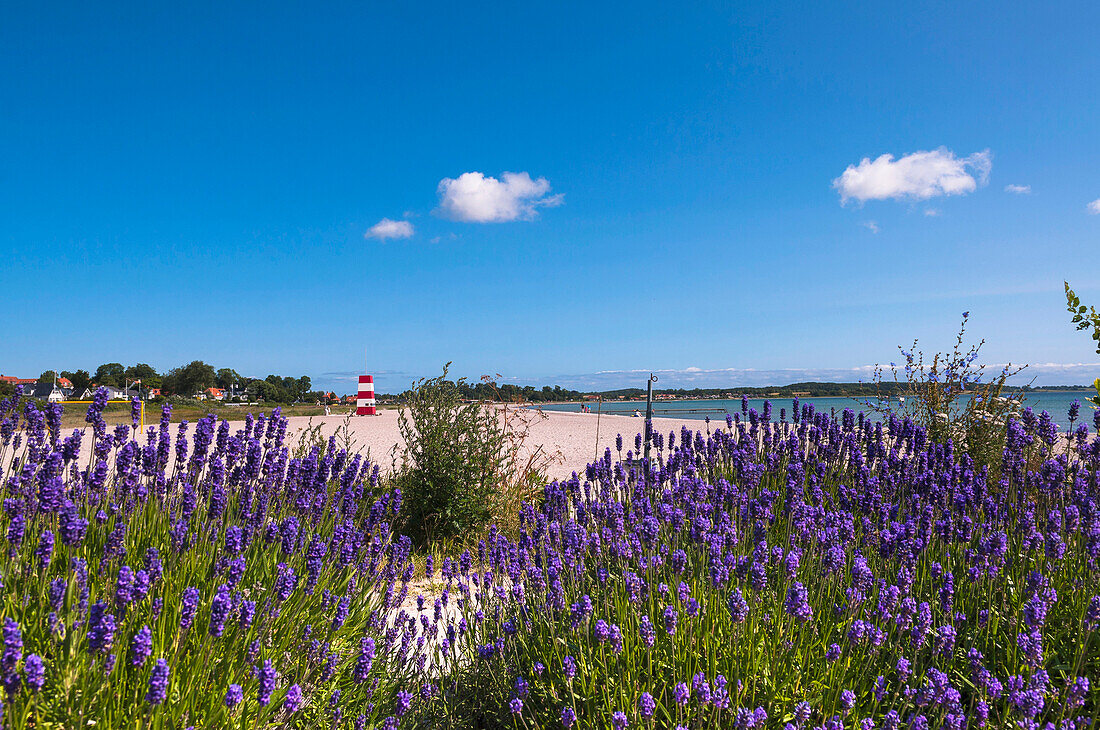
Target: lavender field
<point x="797" y="572"/>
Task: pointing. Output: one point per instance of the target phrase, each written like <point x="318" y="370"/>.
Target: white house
<point x="53" y="393"/>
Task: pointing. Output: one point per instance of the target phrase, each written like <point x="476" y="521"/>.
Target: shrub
<point x="463" y="462"/>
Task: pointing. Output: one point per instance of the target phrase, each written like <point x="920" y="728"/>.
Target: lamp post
<point x="648" y="422"/>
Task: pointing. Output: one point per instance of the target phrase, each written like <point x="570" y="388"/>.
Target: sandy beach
<point x="568" y="439"/>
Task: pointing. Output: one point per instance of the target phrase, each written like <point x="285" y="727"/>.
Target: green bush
<point x="456" y="461"/>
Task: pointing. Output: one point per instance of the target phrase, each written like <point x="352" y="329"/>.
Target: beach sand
<point x="568" y="440"/>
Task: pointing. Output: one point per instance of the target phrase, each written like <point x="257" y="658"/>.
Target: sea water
<point x="1055" y="402"/>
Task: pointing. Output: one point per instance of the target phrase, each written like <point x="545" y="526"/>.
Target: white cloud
<point x="1018" y="189"/>
<point x="387" y="228"/>
<point x="474" y="198"/>
<point x="931" y="212"/>
<point x="921" y="175"/>
<point x="1094" y="207"/>
<point x="870" y="226"/>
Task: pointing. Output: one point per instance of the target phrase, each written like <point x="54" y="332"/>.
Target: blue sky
<point x="201" y="183"/>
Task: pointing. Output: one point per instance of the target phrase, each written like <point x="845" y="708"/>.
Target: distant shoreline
<point x="1034" y="391"/>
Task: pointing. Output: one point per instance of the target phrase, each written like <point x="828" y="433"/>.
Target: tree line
<point x="190" y="379"/>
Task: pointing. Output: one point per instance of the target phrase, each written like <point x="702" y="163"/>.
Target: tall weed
<point x="934" y="394"/>
<point x="464" y="463"/>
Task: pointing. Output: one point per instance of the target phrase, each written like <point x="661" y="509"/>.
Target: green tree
<point x="145" y="373"/>
<point x="302" y="387"/>
<point x="267" y="390"/>
<point x="187" y="380"/>
<point x="111" y="373"/>
<point x="47" y="377"/>
<point x="79" y="378"/>
<point x="227" y="377"/>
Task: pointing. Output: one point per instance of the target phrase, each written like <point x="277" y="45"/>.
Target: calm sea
<point x="1057" y="403"/>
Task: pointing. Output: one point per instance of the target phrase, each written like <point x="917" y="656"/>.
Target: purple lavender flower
<point x="219" y="610"/>
<point x="234" y="540"/>
<point x="945" y="640"/>
<point x="516" y="706"/>
<point x="341" y="614"/>
<point x="293" y="699"/>
<point x="738" y="607"/>
<point x="101" y="628"/>
<point x="247" y="614"/>
<point x="366" y="659"/>
<point x="158" y="683"/>
<point x="797" y="604"/>
<point x="286" y="582"/>
<point x="57" y="590"/>
<point x="568" y="716"/>
<point x="616" y="637"/>
<point x="903" y="669"/>
<point x="189" y="606"/>
<point x="141" y="646"/>
<point x="404" y="702"/>
<point x="35" y="672"/>
<point x="646" y="705"/>
<point x="670" y="617"/>
<point x="619" y="721"/>
<point x="16" y="529"/>
<point x="1076" y="694"/>
<point x="1092" y="612"/>
<point x="45" y="548"/>
<point x="646" y="632"/>
<point x="701" y="687"/>
<point x="72" y="527"/>
<point x="266" y="686"/>
<point x="153" y="564"/>
<point x="124" y="589"/>
<point x="234" y="695"/>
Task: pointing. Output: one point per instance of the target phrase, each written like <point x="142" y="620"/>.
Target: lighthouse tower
<point x="364" y="401"/>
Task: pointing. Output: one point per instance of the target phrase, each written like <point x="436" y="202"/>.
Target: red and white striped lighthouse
<point x="364" y="401"/>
